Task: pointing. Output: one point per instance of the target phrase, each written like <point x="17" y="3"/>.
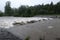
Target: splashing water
<point x="6" y="22"/>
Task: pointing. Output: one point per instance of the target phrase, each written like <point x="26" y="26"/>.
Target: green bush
<point x="27" y="38"/>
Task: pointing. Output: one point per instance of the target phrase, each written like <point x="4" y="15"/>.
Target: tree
<point x="22" y="9"/>
<point x="28" y="11"/>
<point x="14" y="11"/>
<point x="8" y="9"/>
<point x="1" y="13"/>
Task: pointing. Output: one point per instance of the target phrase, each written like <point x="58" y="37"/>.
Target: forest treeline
<point x="28" y="11"/>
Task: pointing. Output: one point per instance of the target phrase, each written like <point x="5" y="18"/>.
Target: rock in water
<point x="18" y="23"/>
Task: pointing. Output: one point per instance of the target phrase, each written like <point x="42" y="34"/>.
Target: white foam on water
<point x="50" y="27"/>
<point x="8" y="22"/>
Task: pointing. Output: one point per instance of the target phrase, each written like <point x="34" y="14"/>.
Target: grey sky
<point x="17" y="3"/>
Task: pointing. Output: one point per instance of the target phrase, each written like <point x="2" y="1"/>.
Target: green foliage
<point x="8" y="9"/>
<point x="27" y="38"/>
<point x="1" y="13"/>
<point x="29" y="11"/>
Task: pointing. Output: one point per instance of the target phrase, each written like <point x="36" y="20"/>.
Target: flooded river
<point x="48" y="29"/>
<point x="7" y="22"/>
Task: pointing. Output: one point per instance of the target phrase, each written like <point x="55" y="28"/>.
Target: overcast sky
<point x="17" y="3"/>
